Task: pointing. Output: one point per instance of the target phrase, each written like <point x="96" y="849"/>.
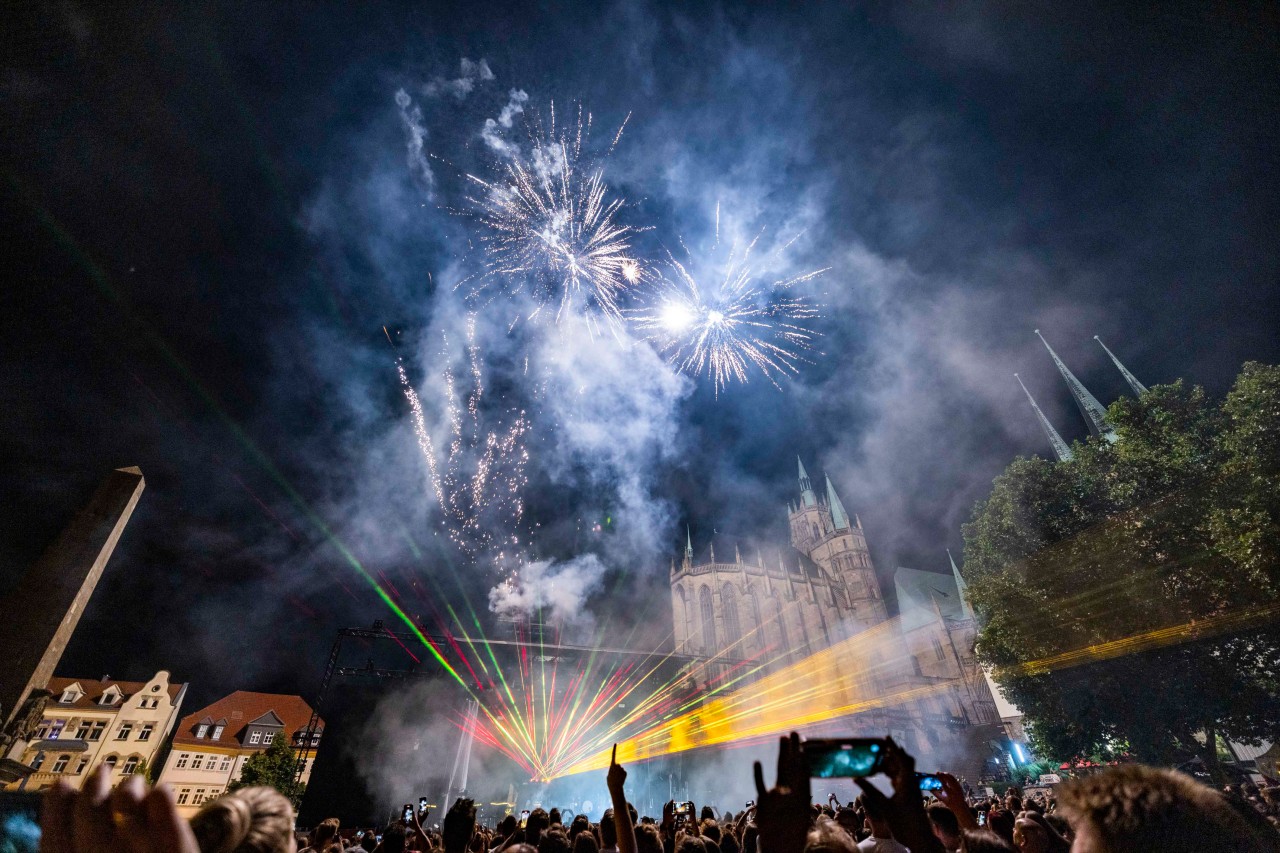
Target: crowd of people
<point x="1129" y="808"/>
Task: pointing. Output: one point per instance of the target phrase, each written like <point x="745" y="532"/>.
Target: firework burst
<point x="732" y="324"/>
<point x="479" y="481"/>
<point x="550" y="228"/>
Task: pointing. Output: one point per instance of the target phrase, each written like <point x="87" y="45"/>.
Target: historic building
<point x="822" y="591"/>
<point x="85" y="722"/>
<point x="212" y="744"/>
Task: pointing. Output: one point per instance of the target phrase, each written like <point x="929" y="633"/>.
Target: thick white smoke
<point x="556" y="591"/>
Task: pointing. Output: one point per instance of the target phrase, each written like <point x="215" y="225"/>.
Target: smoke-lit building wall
<point x="779" y="609"/>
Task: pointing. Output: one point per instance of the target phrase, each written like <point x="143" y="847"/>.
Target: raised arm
<point x="621" y="814"/>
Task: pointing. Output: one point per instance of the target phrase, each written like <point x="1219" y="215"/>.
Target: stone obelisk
<point x="39" y="615"/>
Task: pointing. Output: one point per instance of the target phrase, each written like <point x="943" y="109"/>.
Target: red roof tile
<point x="241" y="708"/>
<point x="94" y="688"/>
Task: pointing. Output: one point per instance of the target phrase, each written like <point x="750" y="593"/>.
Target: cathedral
<point x="822" y="594"/>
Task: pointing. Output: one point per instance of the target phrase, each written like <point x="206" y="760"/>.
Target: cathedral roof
<point x="919" y="592"/>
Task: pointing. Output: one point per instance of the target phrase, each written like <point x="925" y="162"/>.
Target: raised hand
<point x="783" y="813"/>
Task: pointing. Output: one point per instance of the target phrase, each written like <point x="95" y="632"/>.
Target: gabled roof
<point x="94" y="688"/>
<point x="268" y="719"/>
<point x="241" y="709"/>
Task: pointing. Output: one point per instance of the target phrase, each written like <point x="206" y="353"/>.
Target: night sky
<point x="210" y="214"/>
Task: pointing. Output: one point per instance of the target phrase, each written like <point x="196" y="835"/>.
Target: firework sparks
<point x="737" y="324"/>
<point x="479" y="483"/>
<point x="551" y="229"/>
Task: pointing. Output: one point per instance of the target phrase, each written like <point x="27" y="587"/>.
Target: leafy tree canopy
<point x="276" y="766"/>
<point x="1130" y="598"/>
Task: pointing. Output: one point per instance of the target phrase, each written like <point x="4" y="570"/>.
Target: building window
<point x="782" y="627"/>
<point x="99" y="728"/>
<point x="184" y="794"/>
<point x="109" y="698"/>
<point x="225" y="765"/>
<point x="255" y="737"/>
<point x="69" y="696"/>
<point x="145" y="733"/>
<point x="217" y="732"/>
<point x="81" y="765"/>
<point x="708" y="614"/>
<point x="729" y="604"/>
<point x="55" y="730"/>
<point x="126" y="729"/>
<point x="130" y="765"/>
<point x="38" y="761"/>
<point x="182" y="760"/>
<point x="197" y="761"/>
<point x="267" y="737"/>
<point x="201" y="731"/>
<point x="60" y="765"/>
<point x="937" y="648"/>
<point x="42" y="730"/>
<point x="199" y="797"/>
<point x="110" y="763"/>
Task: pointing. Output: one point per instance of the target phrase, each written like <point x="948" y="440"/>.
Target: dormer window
<point x="217" y="732"/>
<point x="110" y="696"/>
<point x="255" y="737"/>
<point x="202" y="730"/>
<point x="70" y="695"/>
<point x="268" y="737"/>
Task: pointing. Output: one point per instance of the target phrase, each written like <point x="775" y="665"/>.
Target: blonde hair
<point x="250" y="820"/>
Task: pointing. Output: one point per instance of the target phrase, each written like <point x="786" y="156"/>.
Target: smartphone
<point x="928" y="782"/>
<point x="20" y="819"/>
<point x="751" y="804"/>
<point x="407" y="814"/>
<point x="684" y="812"/>
<point x="843" y="758"/>
<point x="524" y="818"/>
<point x="982" y="818"/>
<point x="422" y="807"/>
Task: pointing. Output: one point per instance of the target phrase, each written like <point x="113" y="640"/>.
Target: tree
<point x="144" y="770"/>
<point x="1130" y="598"/>
<point x="277" y="767"/>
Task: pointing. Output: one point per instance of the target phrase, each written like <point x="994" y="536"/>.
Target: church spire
<point x="1138" y="387"/>
<point x="1094" y="413"/>
<point x="1060" y="447"/>
<point x="807" y="497"/>
<point x="688" y="546"/>
<point x="839" y="518"/>
<point x="961" y="587"/>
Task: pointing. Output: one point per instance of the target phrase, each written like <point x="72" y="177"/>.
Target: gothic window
<point x="729" y="603"/>
<point x="755" y="614"/>
<point x="708" y="613"/>
<point x="682" y="615"/>
<point x="937" y="648"/>
<point x="782" y="626"/>
<point x="110" y="763"/>
<point x="816" y="534"/>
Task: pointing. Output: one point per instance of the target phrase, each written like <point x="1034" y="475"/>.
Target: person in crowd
<point x="554" y="840"/>
<point x="249" y="820"/>
<point x="394" y="839"/>
<point x="1000" y="822"/>
<point x="828" y="837"/>
<point x="324" y="837"/>
<point x="648" y="840"/>
<point x="984" y="841"/>
<point x="881" y="839"/>
<point x="580" y="824"/>
<point x="1141" y="809"/>
<point x="585" y="842"/>
<point x="945" y="825"/>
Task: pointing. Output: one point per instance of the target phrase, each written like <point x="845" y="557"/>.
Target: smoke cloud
<point x="415" y="136"/>
<point x="462" y="85"/>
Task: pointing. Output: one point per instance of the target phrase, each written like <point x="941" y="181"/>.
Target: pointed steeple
<point x="962" y="588"/>
<point x="1060" y="448"/>
<point x="839" y="518"/>
<point x="737" y="555"/>
<point x="1138" y="387"/>
<point x="688" y="546"/>
<point x="1094" y="413"/>
<point x="807" y="497"/>
<point x="713" y="550"/>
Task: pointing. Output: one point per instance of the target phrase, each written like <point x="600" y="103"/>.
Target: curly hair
<point x="1136" y="808"/>
<point x="249" y="820"/>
